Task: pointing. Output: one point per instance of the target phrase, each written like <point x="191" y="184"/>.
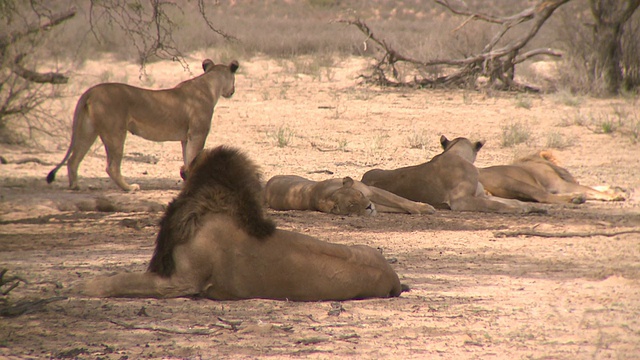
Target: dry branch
<point x="27" y="306"/>
<point x="36" y="77"/>
<point x="517" y="233"/>
<point x="10" y="39"/>
<point x="169" y="330"/>
<point x="14" y="281"/>
<point x="55" y="19"/>
<point x="496" y="63"/>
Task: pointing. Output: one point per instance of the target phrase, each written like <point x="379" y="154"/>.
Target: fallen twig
<point x="315" y="146"/>
<point x="563" y="234"/>
<point x="164" y="329"/>
<point x="5" y="161"/>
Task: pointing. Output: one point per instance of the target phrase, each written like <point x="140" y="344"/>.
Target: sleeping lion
<point x="336" y="196"/>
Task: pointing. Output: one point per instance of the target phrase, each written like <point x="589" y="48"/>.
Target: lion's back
<point x="221" y="180"/>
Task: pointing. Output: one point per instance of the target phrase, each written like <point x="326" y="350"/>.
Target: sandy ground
<point x="475" y="293"/>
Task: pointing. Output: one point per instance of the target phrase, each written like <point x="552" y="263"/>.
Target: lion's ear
<point x="347" y="182"/>
<point x="479" y="145"/>
<point x="207" y="65"/>
<point x="233" y="66"/>
<point x="444" y="141"/>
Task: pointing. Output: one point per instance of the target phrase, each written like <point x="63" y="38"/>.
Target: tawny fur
<point x="448" y="181"/>
<point x="110" y="110"/>
<point x="216" y="242"/>
<point x="336" y="196"/>
<point x="223" y="180"/>
<point x="540" y="178"/>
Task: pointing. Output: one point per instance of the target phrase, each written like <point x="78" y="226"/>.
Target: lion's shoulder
<point x="221" y="180"/>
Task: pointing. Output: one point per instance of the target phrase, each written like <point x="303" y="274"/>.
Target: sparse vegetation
<point x="565" y="97"/>
<point x="417" y="140"/>
<point x="282" y="136"/>
<point x="342" y="145"/>
<point x="556" y="140"/>
<point x="515" y="133"/>
<point x="523" y="101"/>
<point x="466" y="98"/>
<point x="623" y="120"/>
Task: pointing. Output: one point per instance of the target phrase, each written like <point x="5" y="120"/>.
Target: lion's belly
<point x="154" y="131"/>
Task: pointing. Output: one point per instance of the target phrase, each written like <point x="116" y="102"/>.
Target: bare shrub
<point x="556" y="140"/>
<point x="564" y="96"/>
<point x="515" y="133"/>
<point x="523" y="101"/>
<point x="417" y="140"/>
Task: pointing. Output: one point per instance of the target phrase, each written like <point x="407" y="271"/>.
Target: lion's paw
<point x="133" y="187"/>
<point x="89" y="288"/>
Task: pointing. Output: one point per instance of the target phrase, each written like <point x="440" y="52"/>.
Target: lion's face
<point x="227" y="71"/>
<point x="350" y="201"/>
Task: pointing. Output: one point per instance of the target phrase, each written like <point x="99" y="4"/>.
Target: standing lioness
<point x="182" y="113"/>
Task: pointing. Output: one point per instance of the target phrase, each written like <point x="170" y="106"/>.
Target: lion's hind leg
<point x="114" y="146"/>
<point x="493" y="204"/>
<point x="602" y="193"/>
<point x="141" y="285"/>
<point x="84" y="137"/>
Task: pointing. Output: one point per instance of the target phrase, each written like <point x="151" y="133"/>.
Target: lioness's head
<point x="462" y="147"/>
<point x="228" y="72"/>
<point x="349" y="201"/>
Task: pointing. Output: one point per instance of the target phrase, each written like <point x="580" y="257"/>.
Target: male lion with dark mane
<point x="448" y="181"/>
<point x="539" y="178"/>
<point x="182" y="113"/>
<point x="215" y="241"/>
<point x="336" y="196"/>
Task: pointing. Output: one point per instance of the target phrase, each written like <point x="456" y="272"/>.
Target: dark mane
<point x="221" y="180"/>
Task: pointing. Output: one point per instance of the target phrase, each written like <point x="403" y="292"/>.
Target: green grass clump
<point x="282" y="136"/>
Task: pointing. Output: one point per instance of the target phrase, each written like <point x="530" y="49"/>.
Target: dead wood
<point x="517" y="233"/>
<point x="12" y="281"/>
<point x="495" y="62"/>
<point x="27" y="306"/>
<point x="9" y="39"/>
<point x="5" y="161"/>
<point x="167" y="330"/>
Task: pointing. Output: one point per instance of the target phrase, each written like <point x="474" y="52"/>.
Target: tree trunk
<point x="610" y="16"/>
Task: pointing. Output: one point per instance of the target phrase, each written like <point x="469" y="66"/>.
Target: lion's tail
<point x="78" y="113"/>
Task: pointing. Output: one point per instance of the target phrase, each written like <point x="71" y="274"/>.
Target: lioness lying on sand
<point x="448" y="181"/>
<point x="182" y="113"/>
<point x="538" y="178"/>
<point x="214" y="241"/>
<point x="336" y="196"/>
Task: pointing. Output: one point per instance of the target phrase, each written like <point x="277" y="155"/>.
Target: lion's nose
<point x="229" y="94"/>
<point x="372" y="209"/>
